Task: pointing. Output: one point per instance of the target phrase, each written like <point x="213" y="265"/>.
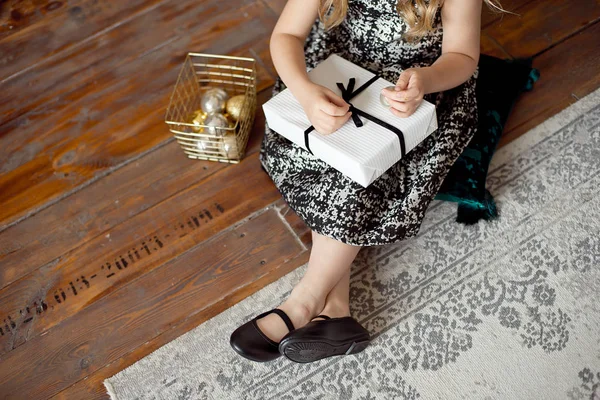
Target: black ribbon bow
<point x="347" y="94"/>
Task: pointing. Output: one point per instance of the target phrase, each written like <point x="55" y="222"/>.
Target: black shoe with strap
<point x="324" y="338"/>
<point x="250" y="342"/>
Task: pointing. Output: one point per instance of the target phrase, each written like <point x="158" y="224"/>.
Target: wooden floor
<point x="112" y="243"/>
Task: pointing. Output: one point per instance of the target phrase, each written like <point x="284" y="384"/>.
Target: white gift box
<point x="361" y="153"/>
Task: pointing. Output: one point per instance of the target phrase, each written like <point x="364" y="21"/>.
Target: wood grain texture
<point x="276" y="5"/>
<point x="147" y="307"/>
<point x="92" y="387"/>
<point x="95" y="61"/>
<point x="32" y="34"/>
<point x="295" y="222"/>
<point x="93" y="131"/>
<point x="542" y="24"/>
<point x="490" y="47"/>
<point x="83" y="139"/>
<point x="489" y="15"/>
<point x="568" y="71"/>
<point x="64" y="288"/>
<point x="16" y="15"/>
<point x="107" y="202"/>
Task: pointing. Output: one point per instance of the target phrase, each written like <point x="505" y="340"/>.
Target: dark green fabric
<point x="499" y="84"/>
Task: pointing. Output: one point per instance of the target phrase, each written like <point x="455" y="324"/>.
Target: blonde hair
<point x="418" y="14"/>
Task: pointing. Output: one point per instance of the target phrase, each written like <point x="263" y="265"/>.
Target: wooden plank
<point x="276" y="5"/>
<point x="295" y="222"/>
<point x="92" y="211"/>
<point x="488" y="16"/>
<point x="100" y="129"/>
<point x="542" y="24"/>
<point x="95" y="60"/>
<point x="266" y="73"/>
<point x="16" y="15"/>
<point x="118" y="324"/>
<point x="568" y="71"/>
<point x="208" y="35"/>
<point x="71" y="226"/>
<point x="490" y="47"/>
<point x="92" y="386"/>
<point x="32" y="39"/>
<point x="62" y="289"/>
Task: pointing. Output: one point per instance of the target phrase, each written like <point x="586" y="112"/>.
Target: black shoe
<point x="250" y="342"/>
<point x="326" y="338"/>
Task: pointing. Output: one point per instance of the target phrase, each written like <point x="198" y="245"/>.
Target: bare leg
<point x="329" y="263"/>
<point x="338" y="300"/>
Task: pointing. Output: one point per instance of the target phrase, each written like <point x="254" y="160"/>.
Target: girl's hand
<point x="326" y="111"/>
<point x="408" y="93"/>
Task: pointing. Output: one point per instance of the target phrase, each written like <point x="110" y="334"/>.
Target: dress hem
<point x="369" y="244"/>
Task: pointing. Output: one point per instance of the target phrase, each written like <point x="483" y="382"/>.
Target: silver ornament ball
<point x="209" y="147"/>
<point x="215" y="121"/>
<point x="213" y="101"/>
<point x="383" y="100"/>
<point x="219" y="92"/>
<point x="230" y="145"/>
<point x="201" y="145"/>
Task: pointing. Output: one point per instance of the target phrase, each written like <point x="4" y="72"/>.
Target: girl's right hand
<point x="326" y="111"/>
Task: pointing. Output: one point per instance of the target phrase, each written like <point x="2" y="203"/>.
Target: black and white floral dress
<point x="393" y="206"/>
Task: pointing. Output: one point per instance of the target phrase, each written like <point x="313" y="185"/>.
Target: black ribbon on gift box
<point x="347" y="94"/>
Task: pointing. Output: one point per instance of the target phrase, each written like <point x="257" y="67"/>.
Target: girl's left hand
<point x="408" y="93"/>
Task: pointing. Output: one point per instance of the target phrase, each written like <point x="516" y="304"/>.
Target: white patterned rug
<point x="507" y="309"/>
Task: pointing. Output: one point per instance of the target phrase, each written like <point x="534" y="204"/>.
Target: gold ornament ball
<point x="198" y="118"/>
<point x="234" y="106"/>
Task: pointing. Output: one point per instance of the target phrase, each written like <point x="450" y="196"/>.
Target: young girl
<point x="430" y="48"/>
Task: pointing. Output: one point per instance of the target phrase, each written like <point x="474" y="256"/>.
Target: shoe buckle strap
<point x="285" y="318"/>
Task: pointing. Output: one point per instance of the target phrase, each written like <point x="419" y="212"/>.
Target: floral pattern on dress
<point x="391" y="208"/>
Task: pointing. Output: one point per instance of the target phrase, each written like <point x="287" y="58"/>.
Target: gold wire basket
<point x="201" y="72"/>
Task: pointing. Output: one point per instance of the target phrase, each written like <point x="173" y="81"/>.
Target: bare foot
<point x="301" y="306"/>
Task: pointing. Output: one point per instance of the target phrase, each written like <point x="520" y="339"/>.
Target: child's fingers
<point x="399" y="106"/>
<point x="402" y="95"/>
<point x="341" y="120"/>
<point x="334" y="98"/>
<point x="402" y="114"/>
<point x="333" y="104"/>
<point x="403" y="105"/>
<point x="337" y="101"/>
<point x="404" y="79"/>
<point x="345" y="118"/>
<point x="402" y="109"/>
<point x="402" y="82"/>
<point x="327" y="124"/>
<point x="333" y="110"/>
